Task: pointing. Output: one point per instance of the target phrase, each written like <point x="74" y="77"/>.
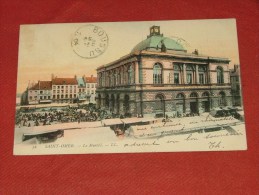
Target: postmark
<point x="89" y="41"/>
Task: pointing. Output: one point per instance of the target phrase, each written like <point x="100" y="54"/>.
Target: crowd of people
<point x="38" y="117"/>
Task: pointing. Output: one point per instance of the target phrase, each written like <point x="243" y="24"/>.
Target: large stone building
<point x="235" y="85"/>
<point x="160" y="77"/>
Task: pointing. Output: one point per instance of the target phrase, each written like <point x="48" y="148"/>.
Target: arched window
<point x="222" y="99"/>
<point x="130" y="75"/>
<point x="157" y="73"/>
<point x="220" y="76"/>
<point x="180" y="96"/>
<point x="189" y="74"/>
<point x="160" y="103"/>
<point x="194" y="95"/>
<point x="205" y="94"/>
<point x="177" y="74"/>
<point x="202" y="75"/>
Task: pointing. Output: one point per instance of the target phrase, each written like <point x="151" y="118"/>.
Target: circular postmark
<point x="89" y="41"/>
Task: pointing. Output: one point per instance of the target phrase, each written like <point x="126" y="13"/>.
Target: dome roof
<point x="155" y="42"/>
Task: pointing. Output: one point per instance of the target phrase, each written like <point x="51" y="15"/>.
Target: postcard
<point x="129" y="87"/>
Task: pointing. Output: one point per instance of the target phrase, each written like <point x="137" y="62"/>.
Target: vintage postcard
<point x="126" y="87"/>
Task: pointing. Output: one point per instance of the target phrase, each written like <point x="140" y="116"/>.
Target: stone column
<point x="126" y="75"/>
<point x="197" y="74"/>
<point x="136" y="73"/>
<point x="115" y="104"/>
<point x="121" y="104"/>
<point x="184" y="74"/>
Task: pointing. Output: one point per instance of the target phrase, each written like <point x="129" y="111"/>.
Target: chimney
<point x="235" y="67"/>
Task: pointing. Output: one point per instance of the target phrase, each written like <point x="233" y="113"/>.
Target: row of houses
<point x="61" y="90"/>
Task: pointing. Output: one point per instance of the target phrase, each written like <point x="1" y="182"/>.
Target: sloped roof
<point x="42" y="85"/>
<point x="45" y="85"/>
<point x="91" y="79"/>
<point x="34" y="87"/>
<point x="64" y="81"/>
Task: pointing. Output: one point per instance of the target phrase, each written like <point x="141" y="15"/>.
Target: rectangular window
<point x="201" y="78"/>
<point x="92" y="85"/>
<point x="176" y="78"/>
<point x="189" y="78"/>
<point x="54" y="96"/>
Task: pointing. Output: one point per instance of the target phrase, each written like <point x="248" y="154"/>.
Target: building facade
<point x="235" y="85"/>
<point x="40" y="93"/>
<point x="81" y="90"/>
<point x="159" y="77"/>
<point x="61" y="90"/>
<point x="64" y="90"/>
<point x="90" y="88"/>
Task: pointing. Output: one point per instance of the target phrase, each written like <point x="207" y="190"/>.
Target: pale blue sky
<point x="46" y="48"/>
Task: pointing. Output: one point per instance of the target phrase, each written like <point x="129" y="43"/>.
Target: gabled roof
<point x="64" y="81"/>
<point x="42" y="85"/>
<point x="34" y="87"/>
<point x="45" y="85"/>
<point x="91" y="79"/>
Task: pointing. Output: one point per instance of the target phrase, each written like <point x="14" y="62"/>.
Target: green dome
<point x="154" y="42"/>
